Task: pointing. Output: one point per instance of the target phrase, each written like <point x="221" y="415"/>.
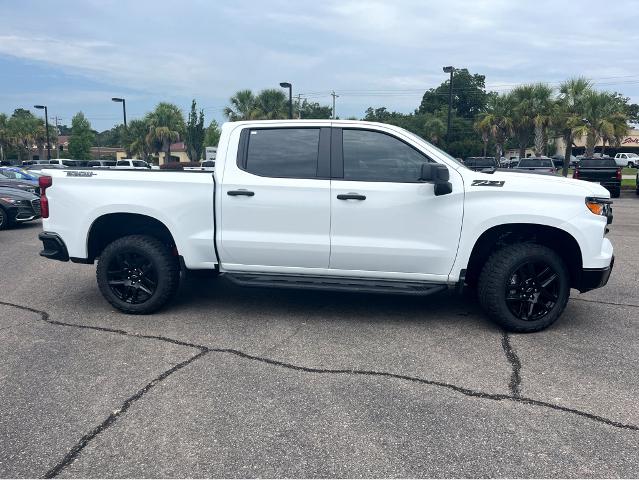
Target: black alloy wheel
<point x="532" y="291"/>
<point x="132" y="277"/>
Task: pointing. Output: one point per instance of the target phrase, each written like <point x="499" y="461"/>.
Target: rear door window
<point x="139" y="163"/>
<point x="283" y="152"/>
<point x="122" y="163"/>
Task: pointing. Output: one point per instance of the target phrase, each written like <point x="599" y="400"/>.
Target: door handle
<point x="351" y="196"/>
<point x="237" y="193"/>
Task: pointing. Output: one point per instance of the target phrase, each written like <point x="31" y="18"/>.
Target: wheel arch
<point x="498" y="236"/>
<point x="111" y="226"/>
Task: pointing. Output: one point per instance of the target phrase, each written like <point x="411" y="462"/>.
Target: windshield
<point x="533" y="162"/>
<point x="598" y="162"/>
<point x="632" y="155"/>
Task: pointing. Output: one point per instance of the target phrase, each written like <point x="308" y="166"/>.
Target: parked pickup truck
<point x="600" y="170"/>
<point x="537" y="165"/>
<point x="337" y="205"/>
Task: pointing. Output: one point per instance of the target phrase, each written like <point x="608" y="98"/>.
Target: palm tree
<point x="434" y="129"/>
<point x="542" y="108"/>
<point x="569" y="113"/>
<point x="166" y="125"/>
<point x="523" y="116"/>
<point x="604" y="120"/>
<point x="484" y="130"/>
<point x="135" y="142"/>
<point x="243" y="106"/>
<point x="271" y="104"/>
<point x="498" y="121"/>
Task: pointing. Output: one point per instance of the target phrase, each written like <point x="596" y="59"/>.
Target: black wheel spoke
<point x="132" y="277"/>
<point x="532" y="290"/>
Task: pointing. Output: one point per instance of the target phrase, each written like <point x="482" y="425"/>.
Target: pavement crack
<point x="514" y="396"/>
<point x="112" y="418"/>
<point x="618" y="304"/>
<point x="513" y="359"/>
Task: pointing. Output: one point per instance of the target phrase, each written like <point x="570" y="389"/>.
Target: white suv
<point x="627" y="160"/>
<point x="132" y="163"/>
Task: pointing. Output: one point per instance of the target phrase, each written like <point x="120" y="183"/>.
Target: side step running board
<point x="335" y="283"/>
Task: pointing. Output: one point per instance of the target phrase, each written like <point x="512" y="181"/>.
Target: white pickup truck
<point x="334" y="205"/>
<point x="627" y="160"/>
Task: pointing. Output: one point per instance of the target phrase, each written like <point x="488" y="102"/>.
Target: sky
<point x="75" y="55"/>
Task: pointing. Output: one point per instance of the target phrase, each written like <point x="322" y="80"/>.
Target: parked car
<point x="35" y="162"/>
<point x="627" y="160"/>
<point x="603" y="171"/>
<point x="480" y="163"/>
<point x="17" y="206"/>
<point x="132" y="163"/>
<point x="536" y="165"/>
<point x="18" y="173"/>
<point x="25" y="185"/>
<point x="335" y="204"/>
<point x="101" y="163"/>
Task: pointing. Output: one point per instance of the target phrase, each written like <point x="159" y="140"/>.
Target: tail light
<point x="44" y="182"/>
<point x="619" y="174"/>
<point x="575" y="174"/>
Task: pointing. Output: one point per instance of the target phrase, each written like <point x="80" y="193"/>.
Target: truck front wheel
<point x="137" y="274"/>
<point x="524" y="287"/>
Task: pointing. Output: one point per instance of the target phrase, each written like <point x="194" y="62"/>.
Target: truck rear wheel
<point x="137" y="274"/>
<point x="524" y="287"/>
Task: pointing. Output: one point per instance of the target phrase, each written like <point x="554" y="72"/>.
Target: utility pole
<point x="334" y="95"/>
<point x="299" y="106"/>
<point x="46" y="126"/>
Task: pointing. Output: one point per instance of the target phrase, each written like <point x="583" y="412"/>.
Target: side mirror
<point x="439" y="175"/>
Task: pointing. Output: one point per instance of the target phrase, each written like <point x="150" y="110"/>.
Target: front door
<point x="275" y="200"/>
<point x="384" y="221"/>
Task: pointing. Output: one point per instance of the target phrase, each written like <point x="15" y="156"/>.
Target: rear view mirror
<point x="437" y="174"/>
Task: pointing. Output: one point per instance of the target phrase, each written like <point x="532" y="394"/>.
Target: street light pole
<point x="450" y="98"/>
<point x="46" y="126"/>
<point x="290" y="97"/>
<point x="123" y="102"/>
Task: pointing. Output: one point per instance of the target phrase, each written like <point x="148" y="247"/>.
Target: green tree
<point x="22" y="129"/>
<point x="434" y="129"/>
<point x="605" y="119"/>
<point x="271" y="104"/>
<point x="522" y="116"/>
<point x="194" y="134"/>
<point x="135" y="142"/>
<point x="469" y="95"/>
<point x="166" y="125"/>
<point x="542" y="108"/>
<point x="4" y="136"/>
<point x="81" y="139"/>
<point x="212" y="134"/>
<point x="307" y="109"/>
<point x="498" y="120"/>
<point x="569" y="113"/>
<point x="242" y="107"/>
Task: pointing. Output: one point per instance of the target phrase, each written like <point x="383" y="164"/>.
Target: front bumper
<point x="592" y="278"/>
<point x="53" y="247"/>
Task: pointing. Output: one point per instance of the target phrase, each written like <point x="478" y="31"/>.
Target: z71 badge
<point x="80" y="174"/>
<point x="487" y="183"/>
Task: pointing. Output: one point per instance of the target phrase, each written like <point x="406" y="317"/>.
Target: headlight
<point x="8" y="200"/>
<point x="600" y="206"/>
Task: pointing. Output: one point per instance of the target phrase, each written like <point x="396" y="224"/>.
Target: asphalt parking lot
<point x="278" y="383"/>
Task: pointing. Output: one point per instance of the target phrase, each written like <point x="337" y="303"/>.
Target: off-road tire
<point x="164" y="262"/>
<point x="495" y="277"/>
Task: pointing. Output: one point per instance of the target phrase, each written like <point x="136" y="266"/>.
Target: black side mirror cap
<point x="439" y="175"/>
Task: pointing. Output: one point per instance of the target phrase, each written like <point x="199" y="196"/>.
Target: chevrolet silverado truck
<point x="340" y="205"/>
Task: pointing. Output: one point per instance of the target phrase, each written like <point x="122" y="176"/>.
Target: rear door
<point x="275" y="201"/>
<point x="384" y="221"/>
